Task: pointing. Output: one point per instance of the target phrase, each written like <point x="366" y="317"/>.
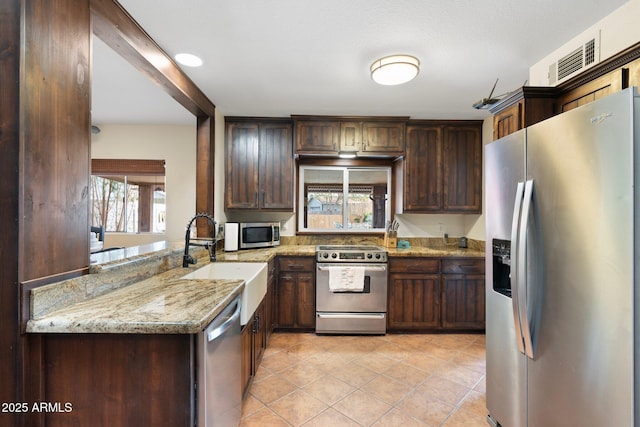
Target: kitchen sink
<point x="254" y="275"/>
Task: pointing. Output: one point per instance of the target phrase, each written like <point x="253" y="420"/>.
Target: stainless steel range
<point x="351" y="289"/>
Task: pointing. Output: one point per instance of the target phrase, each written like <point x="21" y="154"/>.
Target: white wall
<point x="174" y="144"/>
<point x="619" y="30"/>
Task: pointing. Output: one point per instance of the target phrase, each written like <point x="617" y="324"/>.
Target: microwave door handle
<point x="517" y="210"/>
<point x="273" y="234"/>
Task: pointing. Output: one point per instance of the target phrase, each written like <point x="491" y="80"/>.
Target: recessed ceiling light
<point x="395" y="69"/>
<point x="188" y="59"/>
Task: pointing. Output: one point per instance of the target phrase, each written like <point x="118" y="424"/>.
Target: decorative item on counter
<point x="463" y="242"/>
<point x="391" y="234"/>
<point x="403" y="244"/>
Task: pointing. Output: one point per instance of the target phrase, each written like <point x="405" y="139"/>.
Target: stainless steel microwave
<point x="258" y="235"/>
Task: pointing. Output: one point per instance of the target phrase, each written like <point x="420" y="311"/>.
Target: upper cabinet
<point x="259" y="164"/>
<point x="522" y="108"/>
<point x="363" y="136"/>
<point x="529" y="105"/>
<point x="442" y="169"/>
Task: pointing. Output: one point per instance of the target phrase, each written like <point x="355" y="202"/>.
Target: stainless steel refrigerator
<point x="561" y="289"/>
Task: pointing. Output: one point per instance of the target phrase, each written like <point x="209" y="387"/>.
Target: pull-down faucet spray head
<point x="210" y="244"/>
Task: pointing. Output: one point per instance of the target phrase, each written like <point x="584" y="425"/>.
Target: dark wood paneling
<point x="55" y="138"/>
<point x="120" y="380"/>
<point x="276" y="166"/>
<point x="463" y="301"/>
<point x="315" y="137"/>
<point x="423" y="169"/>
<point x="242" y="154"/>
<point x="414" y="265"/>
<point x="383" y="137"/>
<point x="10" y="387"/>
<point x="462" y="169"/>
<point x="205" y="177"/>
<point x="414" y="301"/>
<point x="306" y="301"/>
<point x="286" y="294"/>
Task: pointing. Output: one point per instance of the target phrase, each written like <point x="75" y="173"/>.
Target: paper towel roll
<point x="231" y="236"/>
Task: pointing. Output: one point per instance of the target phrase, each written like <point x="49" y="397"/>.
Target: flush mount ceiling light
<point x="395" y="69"/>
<point x="188" y="59"/>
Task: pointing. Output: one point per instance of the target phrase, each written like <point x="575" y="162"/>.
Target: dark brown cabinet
<point x="462" y="169"/>
<point x="256" y="333"/>
<point x="463" y="294"/>
<point x="442" y="168"/>
<point x="422" y="169"/>
<point x="259" y="165"/>
<point x="413" y="294"/>
<point x="316" y="136"/>
<point x="296" y="297"/>
<point x="365" y="136"/>
<point x="522" y="108"/>
<point x="436" y="294"/>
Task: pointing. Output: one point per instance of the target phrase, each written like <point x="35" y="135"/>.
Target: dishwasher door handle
<point x="216" y="332"/>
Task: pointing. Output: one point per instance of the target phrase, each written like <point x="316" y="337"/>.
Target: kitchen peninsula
<point x="127" y="352"/>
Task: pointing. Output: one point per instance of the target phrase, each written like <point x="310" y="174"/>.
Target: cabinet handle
<point x="255" y="199"/>
<point x="264" y="195"/>
<point x="256" y="323"/>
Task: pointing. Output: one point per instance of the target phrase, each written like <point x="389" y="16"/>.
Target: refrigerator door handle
<point x="523" y="302"/>
<point x="515" y="265"/>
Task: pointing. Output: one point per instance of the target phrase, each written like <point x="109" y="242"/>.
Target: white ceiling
<point x="277" y="58"/>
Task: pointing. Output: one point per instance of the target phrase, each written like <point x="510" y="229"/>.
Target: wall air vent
<point x="575" y="61"/>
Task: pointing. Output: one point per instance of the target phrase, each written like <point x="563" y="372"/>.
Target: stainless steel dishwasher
<point x="219" y="371"/>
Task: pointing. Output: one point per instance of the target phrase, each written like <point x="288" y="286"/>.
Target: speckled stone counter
<point x="143" y="292"/>
<point x="162" y="304"/>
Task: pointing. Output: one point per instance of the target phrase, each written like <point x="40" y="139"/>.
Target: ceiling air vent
<point x="575" y="61"/>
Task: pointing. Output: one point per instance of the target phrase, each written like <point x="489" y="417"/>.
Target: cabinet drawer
<point x="296" y="264"/>
<point x="414" y="265"/>
<point x="463" y="266"/>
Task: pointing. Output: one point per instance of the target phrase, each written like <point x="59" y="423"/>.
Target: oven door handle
<point x="351" y="316"/>
<point x="368" y="268"/>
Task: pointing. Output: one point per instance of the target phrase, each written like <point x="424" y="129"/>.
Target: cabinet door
<point x="306" y="300"/>
<point x="247" y="356"/>
<point x="462" y="169"/>
<point x="351" y="136"/>
<point x="383" y="137"/>
<point x="259" y="335"/>
<point x="463" y="301"/>
<point x="286" y="299"/>
<point x="414" y="301"/>
<point x="317" y="136"/>
<point x="423" y="169"/>
<point x="508" y="121"/>
<point x="276" y="167"/>
<point x="242" y="166"/>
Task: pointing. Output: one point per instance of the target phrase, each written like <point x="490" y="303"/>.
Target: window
<point x="128" y="195"/>
<point x="344" y="199"/>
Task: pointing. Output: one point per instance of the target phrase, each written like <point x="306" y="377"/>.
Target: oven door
<point x="372" y="299"/>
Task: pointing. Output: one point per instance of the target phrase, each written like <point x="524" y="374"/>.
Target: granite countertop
<point x="161" y="304"/>
<point x="145" y="293"/>
<point x="266" y="255"/>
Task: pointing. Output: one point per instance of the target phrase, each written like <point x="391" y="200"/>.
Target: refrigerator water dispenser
<point x="502" y="266"/>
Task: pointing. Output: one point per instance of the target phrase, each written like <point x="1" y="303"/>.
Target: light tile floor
<point x="392" y="380"/>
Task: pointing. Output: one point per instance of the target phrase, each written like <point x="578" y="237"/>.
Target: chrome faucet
<point x="209" y="243"/>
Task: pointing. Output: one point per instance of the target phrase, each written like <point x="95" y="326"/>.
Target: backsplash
<point x="354" y="239"/>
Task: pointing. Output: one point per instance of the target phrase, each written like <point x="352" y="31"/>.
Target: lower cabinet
<point x="296" y="295"/>
<point x="254" y="342"/>
<point x="413" y="294"/>
<point x="463" y="294"/>
<point x="436" y="294"/>
<point x="255" y="334"/>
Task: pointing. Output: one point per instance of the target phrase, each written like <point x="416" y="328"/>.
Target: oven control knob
<point x="378" y="256"/>
<point x="326" y="255"/>
<point x="369" y="256"/>
<point x="334" y="255"/>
